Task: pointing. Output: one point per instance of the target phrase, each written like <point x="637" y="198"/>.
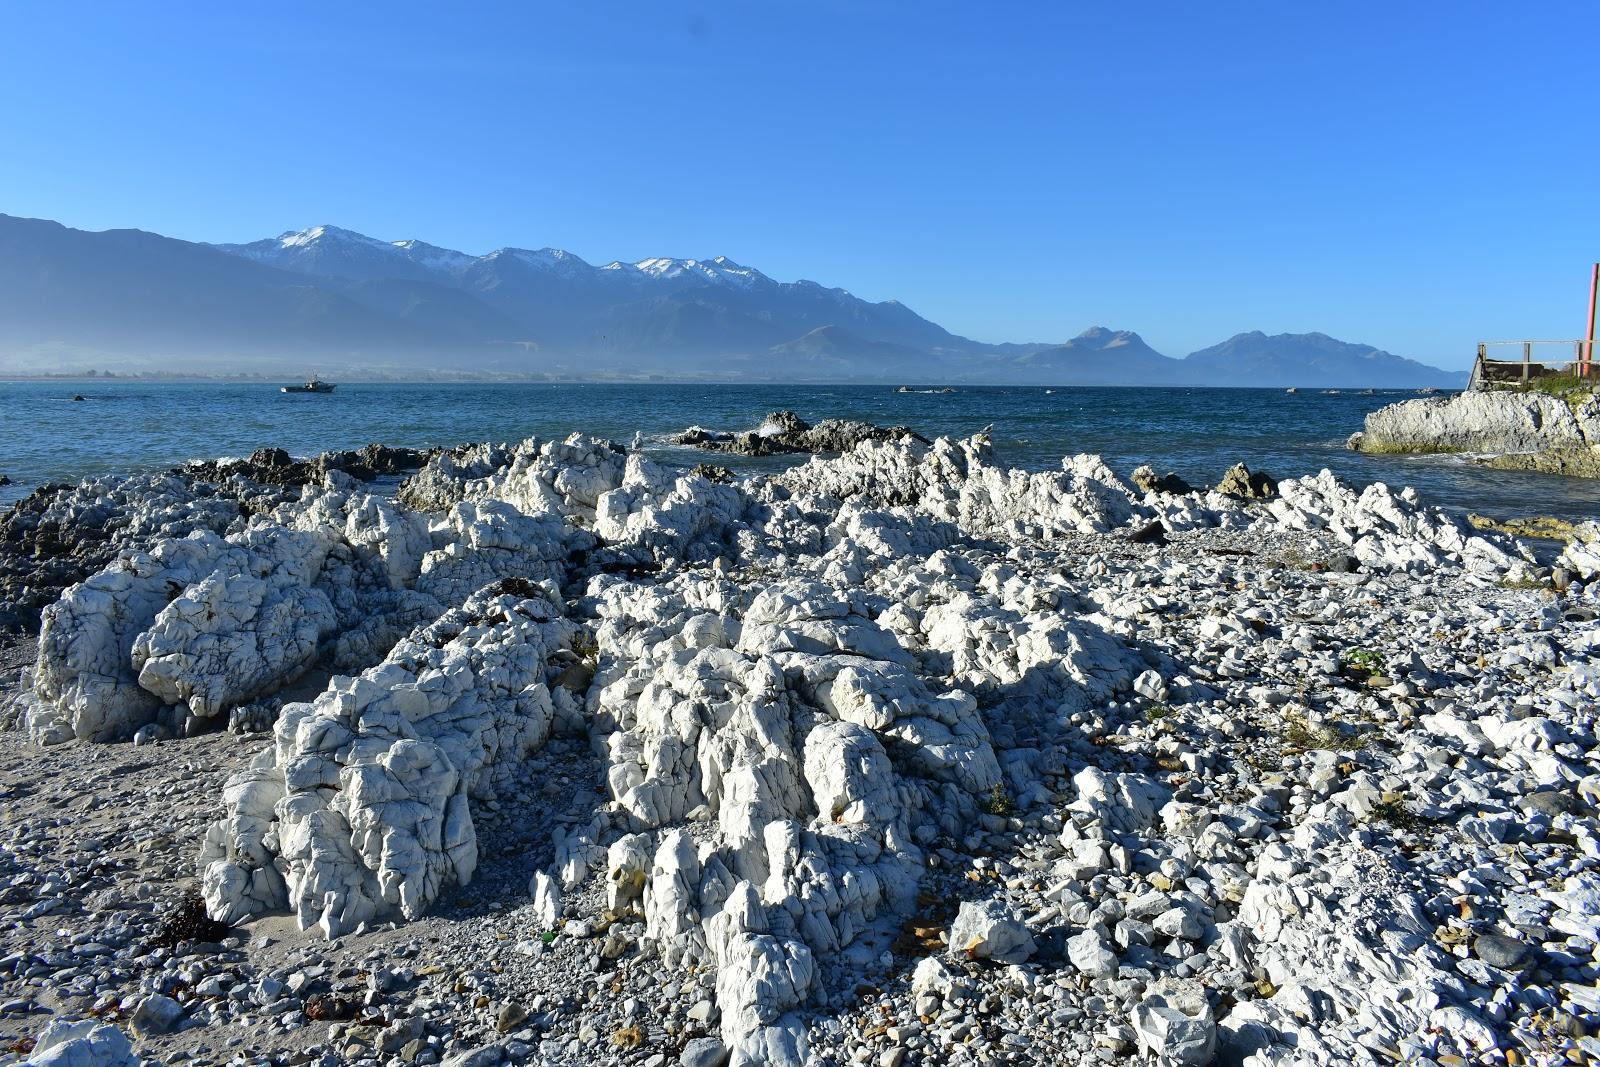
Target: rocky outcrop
<point x="62" y="534"/>
<point x="1240" y="481"/>
<point x="1582" y="554"/>
<point x="826" y="701"/>
<point x="360" y="808"/>
<point x="784" y="432"/>
<point x="274" y="466"/>
<point x="1145" y="478"/>
<point x="1393" y="530"/>
<point x="1506" y="428"/>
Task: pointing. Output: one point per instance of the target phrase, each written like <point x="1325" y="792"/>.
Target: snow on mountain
<point x="434" y="258"/>
<point x="306" y="238"/>
<point x="555" y="260"/>
<point x="341" y="297"/>
<point x="346" y="253"/>
<point x="721" y="269"/>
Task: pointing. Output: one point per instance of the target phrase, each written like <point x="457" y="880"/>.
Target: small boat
<point x="1427" y="390"/>
<point x="313" y="385"/>
<point x="1291" y="389"/>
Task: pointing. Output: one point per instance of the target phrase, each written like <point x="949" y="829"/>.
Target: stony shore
<point x="1557" y="434"/>
<point x="552" y="755"/>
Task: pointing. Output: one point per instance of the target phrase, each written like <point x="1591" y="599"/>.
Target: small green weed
<point x="998" y="802"/>
<point x="1396" y="813"/>
<point x="1364" y="660"/>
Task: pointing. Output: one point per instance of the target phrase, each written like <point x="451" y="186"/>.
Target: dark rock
<point x="1240" y="481"/>
<point x="1145" y="478"/>
<point x="785" y="433"/>
<point x="1153" y="534"/>
<point x="711" y="472"/>
<point x="4" y="480"/>
<point x="274" y="466"/>
<point x="1343" y="563"/>
<point x="1547" y="802"/>
<point x="1500" y="951"/>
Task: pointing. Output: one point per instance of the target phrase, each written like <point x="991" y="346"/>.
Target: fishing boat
<point x="313" y="385"/>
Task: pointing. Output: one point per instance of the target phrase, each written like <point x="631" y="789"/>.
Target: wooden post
<point x="1527" y="359"/>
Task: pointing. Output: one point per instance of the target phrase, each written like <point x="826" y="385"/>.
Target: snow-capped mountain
<point x="340" y="299"/>
<point x="332" y="251"/>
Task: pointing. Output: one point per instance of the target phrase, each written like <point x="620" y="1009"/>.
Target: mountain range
<point x="349" y="304"/>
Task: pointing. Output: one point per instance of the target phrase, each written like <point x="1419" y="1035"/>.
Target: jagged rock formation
<point x="1513" y="430"/>
<point x="1145" y="478"/>
<point x="1582" y="554"/>
<point x="61" y="534"/>
<point x="784" y="432"/>
<point x="360" y="808"/>
<point x="806" y="687"/>
<point x="274" y="466"/>
<point x="1239" y="480"/>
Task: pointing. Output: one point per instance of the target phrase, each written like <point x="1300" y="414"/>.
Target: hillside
<point x="355" y="305"/>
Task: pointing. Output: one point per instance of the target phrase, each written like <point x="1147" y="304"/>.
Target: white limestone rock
<point x="378" y="771"/>
<point x="989" y="930"/>
<point x="1392" y="530"/>
<point x="1175" y="1025"/>
<point x="1091" y="954"/>
<point x="1122" y="803"/>
<point x="486" y="541"/>
<point x="210" y="622"/>
<point x="84" y="680"/>
<point x="1582" y="554"/>
<point x="245" y="630"/>
<point x="1482" y="421"/>
<point x="546" y="900"/>
<point x="82" y="1043"/>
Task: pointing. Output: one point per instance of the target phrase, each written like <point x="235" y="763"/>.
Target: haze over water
<point x="125" y="426"/>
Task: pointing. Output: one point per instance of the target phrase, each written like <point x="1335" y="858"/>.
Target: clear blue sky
<point x="1416" y="175"/>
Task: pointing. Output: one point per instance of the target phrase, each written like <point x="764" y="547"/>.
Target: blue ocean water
<point x="1198" y="433"/>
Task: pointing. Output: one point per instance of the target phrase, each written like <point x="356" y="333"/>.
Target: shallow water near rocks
<point x="1198" y="433"/>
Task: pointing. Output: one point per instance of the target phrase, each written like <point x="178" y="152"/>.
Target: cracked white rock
<point x="989" y="930"/>
<point x="1174" y="1023"/>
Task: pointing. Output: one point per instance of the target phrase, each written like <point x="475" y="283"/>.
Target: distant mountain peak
<point x="341" y="298"/>
<point x="1105" y="337"/>
<point x="556" y="260"/>
<point x="1313" y="359"/>
<point x="307" y="238"/>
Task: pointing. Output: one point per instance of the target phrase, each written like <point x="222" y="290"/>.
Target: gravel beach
<point x="552" y="755"/>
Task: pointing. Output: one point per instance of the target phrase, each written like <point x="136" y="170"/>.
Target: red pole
<point x="1588" y="348"/>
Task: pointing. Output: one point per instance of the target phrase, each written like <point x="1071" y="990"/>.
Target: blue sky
<point x="1416" y="175"/>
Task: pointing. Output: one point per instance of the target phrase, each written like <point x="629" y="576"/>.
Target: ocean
<point x="125" y="426"/>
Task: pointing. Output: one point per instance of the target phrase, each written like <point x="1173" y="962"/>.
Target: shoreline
<point x="1511" y="430"/>
<point x="1029" y="765"/>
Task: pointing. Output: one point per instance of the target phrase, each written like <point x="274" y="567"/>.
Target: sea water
<point x="126" y="426"/>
